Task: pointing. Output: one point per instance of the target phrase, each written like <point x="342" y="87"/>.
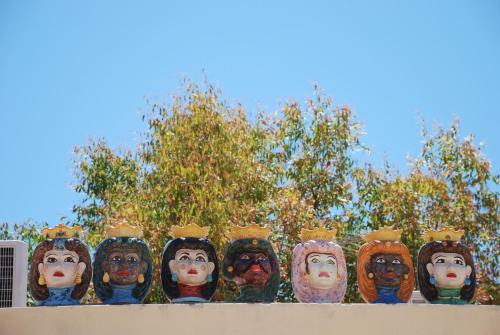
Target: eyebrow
<point x="200" y="254"/>
<point x="314" y="254"/>
<point x="184" y="253"/>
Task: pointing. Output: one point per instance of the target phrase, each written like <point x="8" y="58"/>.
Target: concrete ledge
<point x="241" y="319"/>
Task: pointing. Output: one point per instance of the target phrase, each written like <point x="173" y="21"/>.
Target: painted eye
<point x="380" y="261"/>
<point x="330" y="261"/>
<point x="262" y="258"/>
<point x="200" y="259"/>
<point x="459" y="262"/>
<point x="184" y="258"/>
<point x="245" y="257"/>
<point x="396" y="261"/>
<point x="116" y="259"/>
<point x="69" y="260"/>
<point x="315" y="260"/>
<point x="132" y="259"/>
<point x="51" y="260"/>
<point x="440" y="260"/>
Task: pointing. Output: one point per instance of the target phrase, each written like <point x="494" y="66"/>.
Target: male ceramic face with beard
<point x="253" y="268"/>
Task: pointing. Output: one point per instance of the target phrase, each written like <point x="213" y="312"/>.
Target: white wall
<point x="257" y="319"/>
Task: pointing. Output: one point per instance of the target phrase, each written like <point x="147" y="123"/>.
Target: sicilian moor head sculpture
<point x="319" y="273"/>
<point x="384" y="267"/>
<point x="250" y="262"/>
<point x="122" y="265"/>
<point x="189" y="269"/>
<point x="60" y="268"/>
<point x="446" y="272"/>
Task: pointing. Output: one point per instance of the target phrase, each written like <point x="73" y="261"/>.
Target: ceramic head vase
<point x="122" y="266"/>
<point x="60" y="268"/>
<point x="250" y="262"/>
<point x="384" y="268"/>
<point x="189" y="269"/>
<point x="319" y="272"/>
<point x="446" y="272"/>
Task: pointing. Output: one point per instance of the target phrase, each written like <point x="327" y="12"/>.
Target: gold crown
<point x="383" y="234"/>
<point x="446" y="234"/>
<point x="62" y="231"/>
<point x="190" y="230"/>
<point x="121" y="228"/>
<point x="317" y="234"/>
<point x="251" y="231"/>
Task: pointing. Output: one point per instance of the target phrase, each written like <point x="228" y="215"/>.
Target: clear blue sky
<point x="72" y="70"/>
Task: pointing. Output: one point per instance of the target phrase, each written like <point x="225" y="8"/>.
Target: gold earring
<point x="370" y="275"/>
<point x="41" y="280"/>
<point x="229" y="268"/>
<point x="105" y="278"/>
<point x="78" y="279"/>
<point x="140" y="278"/>
<point x="406" y="276"/>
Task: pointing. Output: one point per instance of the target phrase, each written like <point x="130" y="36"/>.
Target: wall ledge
<point x="242" y="319"/>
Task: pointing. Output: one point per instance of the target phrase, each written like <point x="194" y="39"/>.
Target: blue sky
<point x="70" y="71"/>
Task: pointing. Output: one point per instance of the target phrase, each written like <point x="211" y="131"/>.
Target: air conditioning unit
<point x="13" y="273"/>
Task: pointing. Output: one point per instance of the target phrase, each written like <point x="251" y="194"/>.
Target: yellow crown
<point x="317" y="234"/>
<point x="251" y="231"/>
<point x="190" y="230"/>
<point x="120" y="228"/>
<point x="62" y="231"/>
<point x="446" y="234"/>
<point x="383" y="234"/>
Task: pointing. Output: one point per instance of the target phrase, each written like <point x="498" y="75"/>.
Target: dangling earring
<point x="209" y="278"/>
<point x="140" y="278"/>
<point x="406" y="276"/>
<point x="174" y="277"/>
<point x="41" y="280"/>
<point x="105" y="278"/>
<point x="432" y="280"/>
<point x="467" y="281"/>
<point x="370" y="275"/>
<point x="78" y="279"/>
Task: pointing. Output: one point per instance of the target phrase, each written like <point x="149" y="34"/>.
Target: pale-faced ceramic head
<point x="60" y="269"/>
<point x="319" y="272"/>
<point x="384" y="268"/>
<point x="446" y="268"/>
<point x="189" y="270"/>
<point x="250" y="261"/>
<point x="122" y="267"/>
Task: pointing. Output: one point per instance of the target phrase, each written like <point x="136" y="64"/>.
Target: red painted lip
<point x="255" y="268"/>
<point x="123" y="273"/>
<point x="58" y="274"/>
<point x="192" y="272"/>
<point x="390" y="274"/>
<point x="451" y="275"/>
<point x="324" y="274"/>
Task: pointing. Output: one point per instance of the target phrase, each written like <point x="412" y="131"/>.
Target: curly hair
<point x="105" y="291"/>
<point x="41" y="292"/>
<point x="428" y="290"/>
<point x="366" y="285"/>
<point x="302" y="290"/>
<point x="170" y="287"/>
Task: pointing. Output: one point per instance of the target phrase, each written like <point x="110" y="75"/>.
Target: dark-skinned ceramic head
<point x="445" y="270"/>
<point x="189" y="269"/>
<point x="319" y="272"/>
<point x="61" y="269"/>
<point x="384" y="268"/>
<point x="251" y="263"/>
<point x="122" y="265"/>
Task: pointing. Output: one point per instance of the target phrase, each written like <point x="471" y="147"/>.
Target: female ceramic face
<point x="388" y="269"/>
<point x="449" y="269"/>
<point x="60" y="267"/>
<point x="252" y="268"/>
<point x="124" y="266"/>
<point x="191" y="266"/>
<point x="322" y="270"/>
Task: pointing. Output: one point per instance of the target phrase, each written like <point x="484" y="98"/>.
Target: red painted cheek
<point x="203" y="268"/>
<point x="182" y="266"/>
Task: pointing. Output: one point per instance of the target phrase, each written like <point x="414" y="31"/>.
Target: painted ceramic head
<point x="189" y="269"/>
<point x="60" y="268"/>
<point x="319" y="273"/>
<point x="446" y="272"/>
<point x="122" y="266"/>
<point x="384" y="268"/>
<point x="252" y="264"/>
